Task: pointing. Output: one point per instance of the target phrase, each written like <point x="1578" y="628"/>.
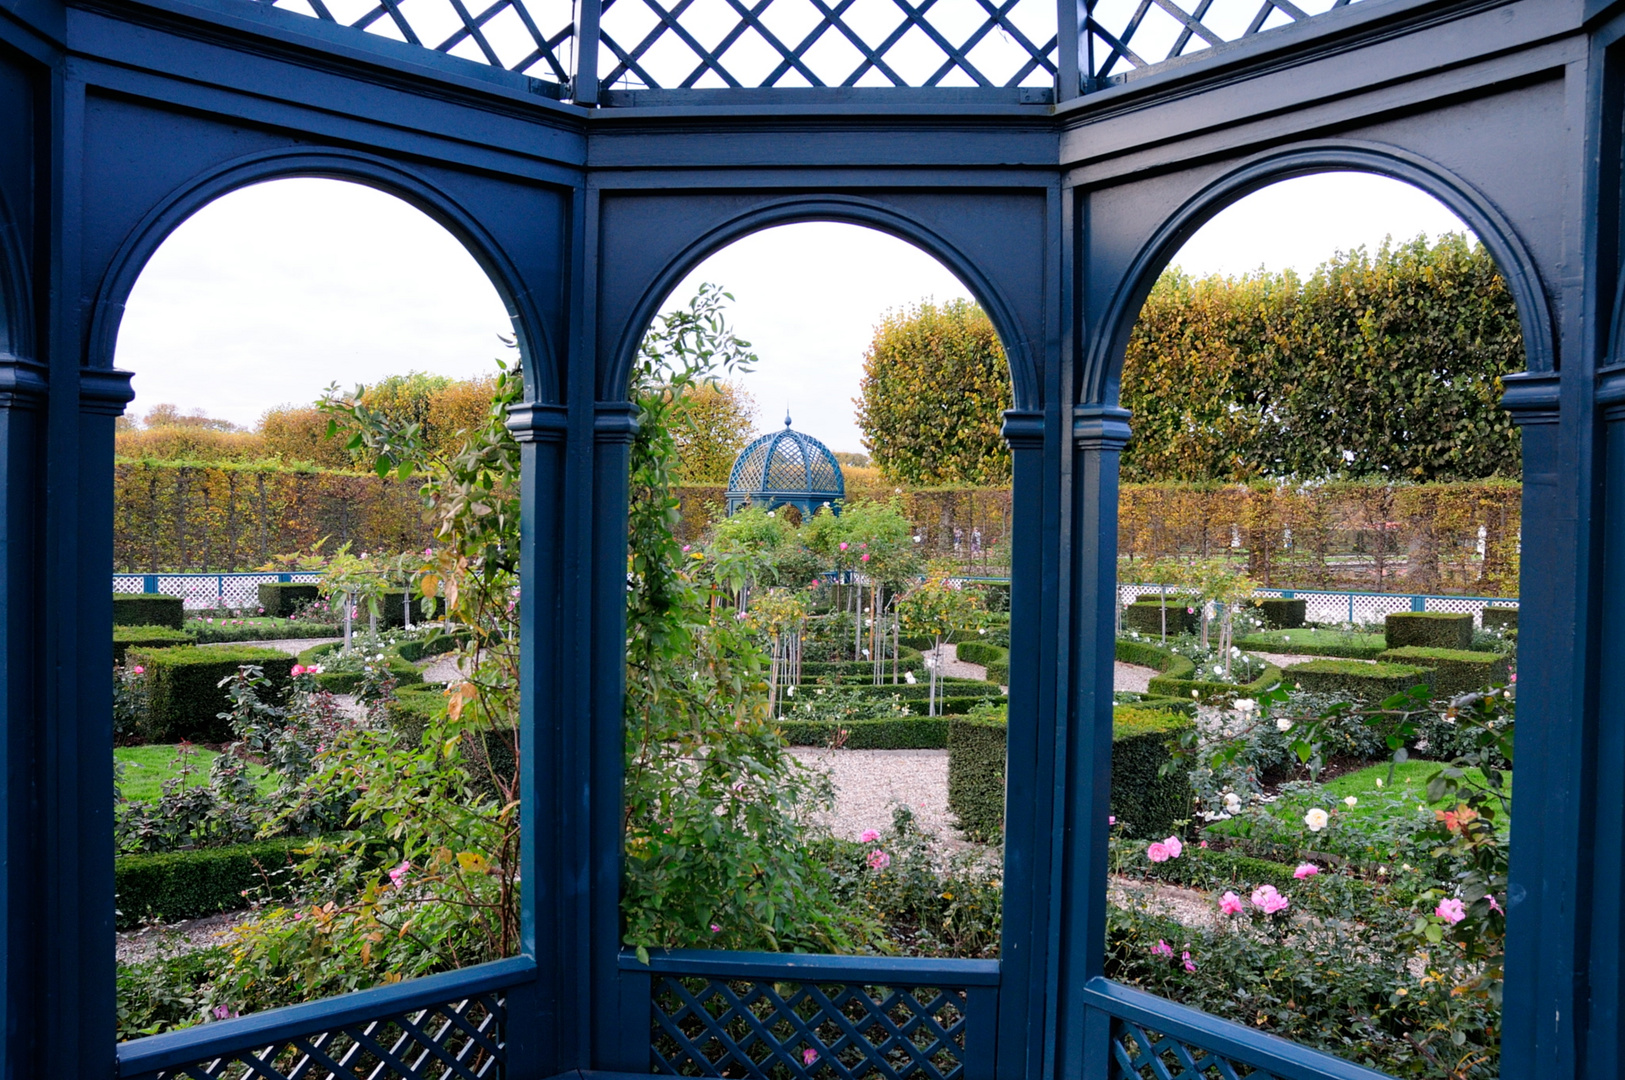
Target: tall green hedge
<point x="1362" y="681"/>
<point x="1282" y="613"/>
<point x="1500" y="618"/>
<point x="184" y="697"/>
<point x="1454" y="671"/>
<point x="148" y="609"/>
<point x="192" y="884"/>
<point x="1145" y="802"/>
<point x="281" y="599"/>
<point x="155" y="637"/>
<point x="1429" y="629"/>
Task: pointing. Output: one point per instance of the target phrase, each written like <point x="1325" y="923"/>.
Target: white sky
<point x="272" y="292"/>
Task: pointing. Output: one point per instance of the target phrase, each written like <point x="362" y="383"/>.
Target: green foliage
<point x="1312" y="642"/>
<point x="140" y="637"/>
<point x="148" y="609"/>
<point x="224" y="631"/>
<point x="1148" y="616"/>
<point x="892" y="733"/>
<point x="1145" y="654"/>
<point x="166" y="993"/>
<point x="368" y="660"/>
<point x="1147" y="798"/>
<point x="1281" y="614"/>
<point x="935" y="387"/>
<point x="176" y="885"/>
<point x="1363" y="681"/>
<point x="184" y="692"/>
<point x="281" y="599"/>
<point x="712" y="423"/>
<point x="1454" y="671"/>
<point x="979" y="652"/>
<point x="1500" y="618"/>
<point x="1395" y="357"/>
<point x="1429" y="629"/>
<point x="938" y="608"/>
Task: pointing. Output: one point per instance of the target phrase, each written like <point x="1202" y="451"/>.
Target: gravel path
<point x="291" y="646"/>
<point x="150" y="943"/>
<point x="1283" y="660"/>
<point x="869" y="784"/>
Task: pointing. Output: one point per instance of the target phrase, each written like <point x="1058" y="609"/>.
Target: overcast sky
<point x="271" y="293"/>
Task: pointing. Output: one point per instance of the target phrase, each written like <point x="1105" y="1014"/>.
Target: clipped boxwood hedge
<point x="980" y="652"/>
<point x="281" y="599"/>
<point x="1454" y="671"/>
<point x="894" y="733"/>
<point x="999" y="670"/>
<point x="1429" y="629"/>
<point x="192" y="884"/>
<point x="184" y="695"/>
<point x="1500" y="618"/>
<point x="417" y="649"/>
<point x="1208" y="868"/>
<point x="1312" y="642"/>
<point x="153" y="637"/>
<point x="1206" y="689"/>
<point x="219" y="631"/>
<point x="1145" y="654"/>
<point x="414" y="708"/>
<point x="1146" y="616"/>
<point x="148" y="609"/>
<point x="1141" y="798"/>
<point x="1282" y="613"/>
<point x="1368" y="682"/>
<point x="907" y="660"/>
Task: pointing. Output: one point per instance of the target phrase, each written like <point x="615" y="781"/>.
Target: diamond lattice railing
<point x="1141" y="1054"/>
<point x="806" y="1031"/>
<point x="532" y="37"/>
<point x="458" y="1040"/>
<point x="1127" y="35"/>
<point x="680" y="44"/>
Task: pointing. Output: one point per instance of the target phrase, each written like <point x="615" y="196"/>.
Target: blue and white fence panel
<point x="199" y="592"/>
<point x="1359" y="608"/>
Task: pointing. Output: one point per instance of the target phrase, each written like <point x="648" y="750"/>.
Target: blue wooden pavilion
<point x="786" y="468"/>
<point x="1053" y="156"/>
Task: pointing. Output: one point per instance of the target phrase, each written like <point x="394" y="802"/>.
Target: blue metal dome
<point x="786" y="468"/>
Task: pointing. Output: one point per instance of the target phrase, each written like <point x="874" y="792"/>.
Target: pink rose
<point x="715" y="929"/>
<point x="399" y="873"/>
<point x="1494" y="906"/>
<point x="1175" y="848"/>
<point x="1162" y="948"/>
<point x="139" y="670"/>
<point x="1268" y="900"/>
<point x="1112" y="820"/>
<point x="1190" y="965"/>
<point x="1157" y="852"/>
<point x="1451" y="911"/>
<point x="1230" y="904"/>
<point x="808" y="1056"/>
<point x="868" y="836"/>
<point x="864" y="557"/>
<point x="1305" y="870"/>
<point x="879" y="860"/>
<point x="843" y="545"/>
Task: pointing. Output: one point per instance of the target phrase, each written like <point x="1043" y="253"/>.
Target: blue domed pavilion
<point x="786" y="468"/>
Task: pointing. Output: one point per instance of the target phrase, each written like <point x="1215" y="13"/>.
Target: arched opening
<point x="806" y="717"/>
<point x="315" y="693"/>
<point x="1318" y="548"/>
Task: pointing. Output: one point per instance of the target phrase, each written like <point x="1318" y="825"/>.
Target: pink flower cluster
<point x="1267" y="900"/>
<point x="868" y="836"/>
<point x="397" y="875"/>
<point x="1161" y="851"/>
<point x="878" y="860"/>
<point x="1305" y="870"/>
<point x="1163" y="949"/>
<point x="1451" y="911"/>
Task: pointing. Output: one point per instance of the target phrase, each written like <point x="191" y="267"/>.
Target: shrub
<point x="1141" y="797"/>
<point x="1454" y="671"/>
<point x="1281" y="613"/>
<point x="154" y="637"/>
<point x="1429" y="629"/>
<point x="999" y="670"/>
<point x="148" y="609"/>
<point x="1209" y="868"/>
<point x="1366" y="682"/>
<point x="980" y="652"/>
<point x="1147" y="616"/>
<point x="1171" y="686"/>
<point x="1316" y="643"/>
<point x="281" y="599"/>
<point x="413" y="709"/>
<point x="191" y="884"/>
<point x="908" y="659"/>
<point x="416" y="649"/>
<point x="348" y="681"/>
<point x="222" y="631"/>
<point x="1145" y="654"/>
<point x="1500" y="618"/>
<point x="900" y="733"/>
<point x="184" y="695"/>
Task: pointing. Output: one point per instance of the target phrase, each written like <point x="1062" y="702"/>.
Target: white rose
<point x="1317" y="819"/>
<point x="1232" y="803"/>
<point x="1283" y="724"/>
<point x="1246" y="704"/>
<point x="1351" y="801"/>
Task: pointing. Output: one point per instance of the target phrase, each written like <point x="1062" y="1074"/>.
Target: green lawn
<point x="147" y="767"/>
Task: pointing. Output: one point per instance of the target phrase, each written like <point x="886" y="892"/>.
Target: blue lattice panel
<point x="1128" y="35"/>
<point x="1140" y="1053"/>
<point x="762" y="1028"/>
<point x="455" y="1040"/>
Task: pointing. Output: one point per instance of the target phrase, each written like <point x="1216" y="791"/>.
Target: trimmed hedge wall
<point x="1145" y="654"/>
<point x="1146" y="616"/>
<point x="1500" y="618"/>
<point x="422" y="648"/>
<point x="1429" y="629"/>
<point x="1281" y="613"/>
<point x="192" y="884"/>
<point x="1171" y="686"/>
<point x="184" y="697"/>
<point x="148" y="609"/>
<point x="220" y="632"/>
<point x="907" y="660"/>
<point x="900" y="733"/>
<point x="1311" y="642"/>
<point x="281" y="599"/>
<point x="999" y="670"/>
<point x="1360" y="680"/>
<point x="1454" y="671"/>
<point x="154" y="637"/>
<point x="980" y="652"/>
<point x="1140" y="796"/>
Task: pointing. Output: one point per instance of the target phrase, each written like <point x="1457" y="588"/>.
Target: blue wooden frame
<point x="586" y="205"/>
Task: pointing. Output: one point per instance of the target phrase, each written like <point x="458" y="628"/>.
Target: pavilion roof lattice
<point x="786" y="467"/>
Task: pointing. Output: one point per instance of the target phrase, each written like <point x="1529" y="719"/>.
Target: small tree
<point x="938" y="608"/>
